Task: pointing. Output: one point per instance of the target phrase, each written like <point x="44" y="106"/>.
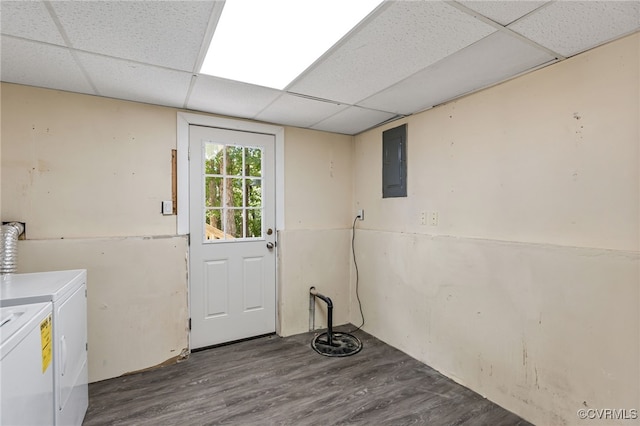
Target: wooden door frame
<point x="184" y="120"/>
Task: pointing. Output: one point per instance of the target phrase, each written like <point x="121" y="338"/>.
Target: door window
<point x="233" y="192"/>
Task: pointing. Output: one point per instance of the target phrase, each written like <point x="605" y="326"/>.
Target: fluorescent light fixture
<point x="271" y="42"/>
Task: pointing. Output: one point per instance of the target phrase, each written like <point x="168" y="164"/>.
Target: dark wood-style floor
<point x="282" y="381"/>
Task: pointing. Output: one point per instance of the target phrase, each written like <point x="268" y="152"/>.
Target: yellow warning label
<point x="45" y="338"/>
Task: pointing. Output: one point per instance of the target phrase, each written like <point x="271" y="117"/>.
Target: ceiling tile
<point x="401" y="39"/>
<point x="353" y="120"/>
<point x="491" y="60"/>
<point x="218" y="95"/>
<point x="165" y="33"/>
<point x="570" y="27"/>
<point x="116" y="78"/>
<point x="502" y="12"/>
<point x="405" y="57"/>
<point x="29" y="19"/>
<point x="297" y="111"/>
<point x="42" y="65"/>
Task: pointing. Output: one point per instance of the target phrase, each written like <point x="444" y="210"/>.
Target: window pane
<point x="254" y="223"/>
<point x="253" y="162"/>
<point x="234" y="160"/>
<point x="235" y="193"/>
<point x="213" y="191"/>
<point x="213" y="158"/>
<point x="254" y="192"/>
<point x="213" y="225"/>
<point x="234" y="222"/>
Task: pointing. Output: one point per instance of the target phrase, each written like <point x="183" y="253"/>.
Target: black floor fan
<point x="330" y="343"/>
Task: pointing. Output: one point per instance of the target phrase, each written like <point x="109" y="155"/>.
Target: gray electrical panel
<point x="394" y="162"/>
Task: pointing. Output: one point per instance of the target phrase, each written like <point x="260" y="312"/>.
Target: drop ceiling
<point x="405" y="57"/>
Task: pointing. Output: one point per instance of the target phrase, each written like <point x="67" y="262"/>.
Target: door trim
<point x="184" y="120"/>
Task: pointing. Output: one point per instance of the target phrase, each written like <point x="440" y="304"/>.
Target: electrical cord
<point x="355" y="263"/>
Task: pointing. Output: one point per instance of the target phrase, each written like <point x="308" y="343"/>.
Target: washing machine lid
<point x="17" y="321"/>
<point x="38" y="287"/>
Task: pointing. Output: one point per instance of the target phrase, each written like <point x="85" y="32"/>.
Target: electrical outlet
<point x="433" y="218"/>
<point x="360" y="214"/>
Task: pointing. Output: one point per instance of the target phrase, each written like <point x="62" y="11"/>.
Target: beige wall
<point x="84" y="166"/>
<point x="315" y="244"/>
<point x="88" y="174"/>
<point x="137" y="296"/>
<point x="527" y="289"/>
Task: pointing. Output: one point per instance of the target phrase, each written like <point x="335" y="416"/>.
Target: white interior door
<point x="232" y="232"/>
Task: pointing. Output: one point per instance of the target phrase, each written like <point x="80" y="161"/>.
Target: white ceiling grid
<point x="503" y="12"/>
<point x="134" y="81"/>
<point x="43" y="65"/>
<point x="494" y="58"/>
<point x="571" y="27"/>
<point x="163" y="33"/>
<point x="352" y="120"/>
<point x="29" y="20"/>
<point x="293" y="110"/>
<point x="403" y="38"/>
<point x="228" y="97"/>
<point x="405" y="57"/>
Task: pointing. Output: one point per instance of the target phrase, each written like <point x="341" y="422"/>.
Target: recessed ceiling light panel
<point x="270" y="43"/>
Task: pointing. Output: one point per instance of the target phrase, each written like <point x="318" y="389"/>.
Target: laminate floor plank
<point x="282" y="381"/>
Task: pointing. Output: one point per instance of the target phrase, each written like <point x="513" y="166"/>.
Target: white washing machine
<point x="67" y="291"/>
<point x="26" y="370"/>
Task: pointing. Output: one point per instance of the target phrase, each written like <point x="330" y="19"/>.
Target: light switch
<point x="167" y="208"/>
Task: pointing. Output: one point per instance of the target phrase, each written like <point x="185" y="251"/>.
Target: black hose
<point x="329" y="303"/>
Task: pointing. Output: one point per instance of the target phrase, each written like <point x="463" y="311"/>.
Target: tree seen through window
<point x="233" y="191"/>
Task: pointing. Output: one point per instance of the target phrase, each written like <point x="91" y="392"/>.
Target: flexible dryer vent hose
<point x="9" y="247"/>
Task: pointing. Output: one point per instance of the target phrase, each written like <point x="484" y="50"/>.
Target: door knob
<point x="270" y="245"/>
